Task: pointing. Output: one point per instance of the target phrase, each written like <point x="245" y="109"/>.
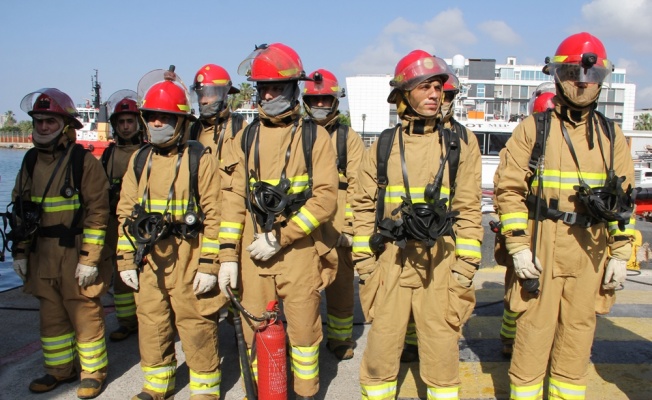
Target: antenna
<point x="96" y="90"/>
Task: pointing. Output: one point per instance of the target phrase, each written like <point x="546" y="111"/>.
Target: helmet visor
<point x="119" y="96"/>
<point x="205" y="94"/>
<point x="155" y="76"/>
<point x="419" y="71"/>
<point x="272" y="64"/>
<point x="577" y="73"/>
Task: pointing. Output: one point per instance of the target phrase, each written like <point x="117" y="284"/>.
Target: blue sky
<point x="60" y="43"/>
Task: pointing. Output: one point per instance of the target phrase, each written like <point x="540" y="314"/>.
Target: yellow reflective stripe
<point x="569" y="180"/>
<point x="379" y="392"/>
<point x="58" y="203"/>
<point x="614" y="230"/>
<point x="558" y="59"/>
<point x="532" y="392"/>
<point x="124" y="244"/>
<point x="566" y="391"/>
<point x="348" y="212"/>
<point x="92" y="356"/>
<point x="230" y="230"/>
<point x="94" y="236"/>
<point x="394" y="193"/>
<point x="361" y="244"/>
<point x="57" y="342"/>
<point x="210" y="245"/>
<point x="59" y="358"/>
<point x="339" y="328"/>
<point x="513" y="221"/>
<point x="125" y="304"/>
<point x="160" y="379"/>
<point x="298" y="183"/>
<point x="436" y="393"/>
<point x="306" y="221"/>
<point x="205" y="383"/>
<point x="468" y="247"/>
<point x="305" y="362"/>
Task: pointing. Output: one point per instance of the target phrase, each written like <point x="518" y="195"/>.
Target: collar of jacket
<point x="573" y="115"/>
<point x="282" y="120"/>
<point x="419" y="126"/>
<point x="216" y="119"/>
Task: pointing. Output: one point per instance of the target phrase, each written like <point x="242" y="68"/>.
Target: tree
<point x="10" y="119"/>
<point x="245" y="96"/>
<point x="644" y="122"/>
<point x="25" y="127"/>
<point x="345" y="118"/>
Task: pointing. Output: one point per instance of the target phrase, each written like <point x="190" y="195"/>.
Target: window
<point x="618" y="78"/>
<point x="496" y="142"/>
<point x="507" y="73"/>
<point x="480" y="90"/>
<point x="524" y="93"/>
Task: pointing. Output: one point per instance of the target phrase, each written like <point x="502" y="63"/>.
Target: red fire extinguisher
<point x="269" y="342"/>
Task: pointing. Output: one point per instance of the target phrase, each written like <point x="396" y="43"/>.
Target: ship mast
<point x="96" y="91"/>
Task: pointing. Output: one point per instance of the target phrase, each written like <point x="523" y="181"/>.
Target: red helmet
<point x="452" y="84"/>
<point x="126" y="106"/>
<point x="323" y="83"/>
<point x="274" y="62"/>
<point x="580" y="58"/>
<point x="542" y="102"/>
<point x="213" y="75"/>
<point x="415" y="68"/>
<point x="167" y="97"/>
<point x="51" y="101"/>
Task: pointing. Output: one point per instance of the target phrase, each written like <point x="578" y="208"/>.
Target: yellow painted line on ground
<point x="489" y="380"/>
<point x="608" y="328"/>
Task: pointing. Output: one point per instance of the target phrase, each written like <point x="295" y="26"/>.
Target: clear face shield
<point x="155" y="76"/>
<point x="113" y="106"/>
<point x="588" y="70"/>
<point x="210" y="99"/>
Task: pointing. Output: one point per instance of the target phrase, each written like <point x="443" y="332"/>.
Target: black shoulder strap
<point x="460" y="130"/>
<point x="248" y="138"/>
<point x="30" y="161"/>
<point x="139" y="160"/>
<point x="342" y="137"/>
<point x="237" y="121"/>
<point x="383" y="150"/>
<point x="452" y="139"/>
<point x="308" y="137"/>
<point x="77" y="160"/>
<point x="607" y="125"/>
<point x="195" y="151"/>
<point x="106" y="155"/>
<point x="195" y="129"/>
<point x="542" y="121"/>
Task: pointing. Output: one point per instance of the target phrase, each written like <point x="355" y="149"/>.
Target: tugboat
<point x="94" y="136"/>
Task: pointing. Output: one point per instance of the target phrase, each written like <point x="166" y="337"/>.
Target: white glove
<point x="228" y="276"/>
<point x="85" y="274"/>
<point x="615" y="274"/>
<point x="345" y="240"/>
<point x="204" y="282"/>
<point x="130" y="278"/>
<point x="263" y="247"/>
<point x="523" y="265"/>
<point x="20" y="267"/>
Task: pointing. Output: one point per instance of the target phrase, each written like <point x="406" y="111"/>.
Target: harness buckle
<point x="569" y="218"/>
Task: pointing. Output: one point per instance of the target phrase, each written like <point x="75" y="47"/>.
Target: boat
<point x="94" y="135"/>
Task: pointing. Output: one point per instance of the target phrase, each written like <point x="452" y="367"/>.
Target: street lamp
<point x="364" y="118"/>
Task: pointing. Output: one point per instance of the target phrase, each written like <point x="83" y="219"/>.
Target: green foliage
<point x="10" y="119"/>
<point x="246" y="95"/>
<point x="644" y="122"/>
<point x="345" y="118"/>
<point x="25" y="127"/>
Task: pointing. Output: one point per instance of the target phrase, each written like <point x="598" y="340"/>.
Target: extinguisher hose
<point x="267" y="316"/>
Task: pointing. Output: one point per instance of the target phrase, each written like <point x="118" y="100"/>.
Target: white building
<point x="490" y="91"/>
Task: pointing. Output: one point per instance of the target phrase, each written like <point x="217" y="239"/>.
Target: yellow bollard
<point x="633" y="263"/>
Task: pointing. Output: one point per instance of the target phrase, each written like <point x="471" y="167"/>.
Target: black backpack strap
<point x="106" y="155"/>
<point x="308" y="138"/>
<point x="139" y="160"/>
<point x="77" y="156"/>
<point x="342" y="137"/>
<point x="542" y="122"/>
<point x="30" y="161"/>
<point x="248" y="137"/>
<point x="383" y="150"/>
<point x="195" y="128"/>
<point x="237" y="120"/>
<point x="195" y="151"/>
<point x="460" y="130"/>
<point x="452" y="140"/>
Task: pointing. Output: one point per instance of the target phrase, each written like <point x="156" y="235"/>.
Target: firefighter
<point x="128" y="133"/>
<point x="62" y="212"/>
<point x="168" y="248"/>
<point x="216" y="122"/>
<point x="321" y="101"/>
<point x="451" y="89"/>
<point x="281" y="218"/>
<point x="418" y="233"/>
<point x="540" y="101"/>
<point x="585" y="226"/>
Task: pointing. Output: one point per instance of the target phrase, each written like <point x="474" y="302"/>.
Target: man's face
<point x="159" y="119"/>
<point x="319" y="101"/>
<point x="127" y="125"/>
<point x="425" y="98"/>
<point x="47" y="126"/>
<point x="270" y="91"/>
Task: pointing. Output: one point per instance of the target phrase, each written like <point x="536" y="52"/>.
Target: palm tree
<point x="644" y="122"/>
<point x="10" y="119"/>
